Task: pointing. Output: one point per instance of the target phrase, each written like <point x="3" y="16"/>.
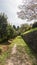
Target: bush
<point x="34" y="25"/>
<point x="0" y="51"/>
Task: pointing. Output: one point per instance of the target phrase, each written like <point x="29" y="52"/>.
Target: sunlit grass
<point x="4" y="55"/>
<point x="18" y="41"/>
<point x="34" y="29"/>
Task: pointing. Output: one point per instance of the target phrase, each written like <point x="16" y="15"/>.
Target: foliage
<point x="4" y="56"/>
<point x="0" y="51"/>
<point x="14" y="27"/>
<point x="3" y="26"/>
<point x="23" y="28"/>
<point x="34" y="25"/>
<point x="31" y="30"/>
<point x="28" y="10"/>
<point x="7" y="31"/>
<point x="10" y="31"/>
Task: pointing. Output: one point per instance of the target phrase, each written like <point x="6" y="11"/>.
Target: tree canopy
<point x="3" y="25"/>
<point x="28" y="10"/>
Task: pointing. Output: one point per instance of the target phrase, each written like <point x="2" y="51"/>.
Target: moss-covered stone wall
<point x="31" y="39"/>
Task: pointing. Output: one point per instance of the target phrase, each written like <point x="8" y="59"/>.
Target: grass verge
<point x="34" y="29"/>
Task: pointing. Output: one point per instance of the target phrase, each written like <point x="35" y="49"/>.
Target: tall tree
<point x="14" y="27"/>
<point x="3" y="25"/>
<point x="28" y="10"/>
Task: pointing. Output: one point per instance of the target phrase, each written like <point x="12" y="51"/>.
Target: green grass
<point x="34" y="29"/>
<point x="4" y="56"/>
<point x="18" y="41"/>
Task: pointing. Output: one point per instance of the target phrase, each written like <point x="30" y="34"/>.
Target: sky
<point x="10" y="8"/>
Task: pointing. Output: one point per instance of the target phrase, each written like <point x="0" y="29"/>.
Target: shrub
<point x="0" y="51"/>
<point x="34" y="25"/>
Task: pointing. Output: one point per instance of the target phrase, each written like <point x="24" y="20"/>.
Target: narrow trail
<point x="14" y="49"/>
<point x="18" y="58"/>
<point x="9" y="61"/>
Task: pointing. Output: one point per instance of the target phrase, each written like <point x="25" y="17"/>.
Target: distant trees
<point x="23" y="28"/>
<point x="14" y="27"/>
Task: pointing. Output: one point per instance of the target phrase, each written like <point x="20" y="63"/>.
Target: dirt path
<point x="14" y="49"/>
<point x="18" y="58"/>
<point x="9" y="61"/>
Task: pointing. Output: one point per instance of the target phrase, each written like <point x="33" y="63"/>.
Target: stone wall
<point x="31" y="39"/>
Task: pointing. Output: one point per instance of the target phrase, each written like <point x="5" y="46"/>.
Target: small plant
<point x="0" y="51"/>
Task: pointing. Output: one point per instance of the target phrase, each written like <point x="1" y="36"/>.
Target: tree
<point x="17" y="27"/>
<point x="7" y="31"/>
<point x="18" y="30"/>
<point x="11" y="32"/>
<point x="14" y="27"/>
<point x="28" y="10"/>
<point x="3" y="26"/>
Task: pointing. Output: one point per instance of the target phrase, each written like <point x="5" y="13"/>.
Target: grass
<point x="34" y="29"/>
<point x="20" y="44"/>
<point x="4" y="55"/>
<point x="3" y="58"/>
<point x="18" y="41"/>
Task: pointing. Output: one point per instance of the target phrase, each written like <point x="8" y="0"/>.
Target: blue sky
<point x="10" y="7"/>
